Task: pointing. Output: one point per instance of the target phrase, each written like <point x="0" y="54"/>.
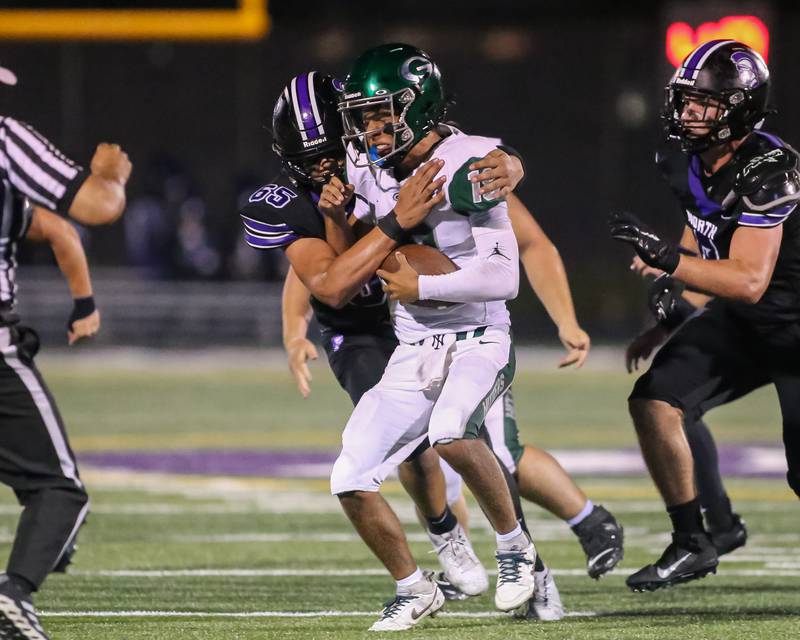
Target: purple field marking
<point x="766" y="461"/>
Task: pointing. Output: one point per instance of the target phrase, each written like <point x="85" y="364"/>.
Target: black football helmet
<point x="307" y="129"/>
<point x="729" y="81"/>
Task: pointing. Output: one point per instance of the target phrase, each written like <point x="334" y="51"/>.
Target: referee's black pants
<point x="37" y="463"/>
<point x="718" y="357"/>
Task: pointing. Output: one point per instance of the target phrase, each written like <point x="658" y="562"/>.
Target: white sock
<point x="584" y="513"/>
<point x="505" y="537"/>
<point x="407" y="582"/>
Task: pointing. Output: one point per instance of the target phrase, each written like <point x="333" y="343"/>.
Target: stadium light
<point x="682" y="38"/>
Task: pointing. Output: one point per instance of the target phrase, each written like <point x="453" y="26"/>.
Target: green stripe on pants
<point x="503" y="380"/>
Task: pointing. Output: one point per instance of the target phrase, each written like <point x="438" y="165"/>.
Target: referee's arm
<point x="39" y="171"/>
<point x="101" y="197"/>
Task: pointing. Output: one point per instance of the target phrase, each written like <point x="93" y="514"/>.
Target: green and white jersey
<point x="448" y="227"/>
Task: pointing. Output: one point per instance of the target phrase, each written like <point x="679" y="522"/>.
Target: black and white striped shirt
<point x="32" y="171"/>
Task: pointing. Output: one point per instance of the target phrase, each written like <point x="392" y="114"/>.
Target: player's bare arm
<point x="745" y="275"/>
<point x="101" y="197"/>
<point x="335" y="197"/>
<point x="295" y="316"/>
<point x="334" y="280"/>
<point x="68" y="250"/>
<point x="548" y="278"/>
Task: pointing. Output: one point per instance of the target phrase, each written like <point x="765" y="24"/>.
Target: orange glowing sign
<point x="682" y="39"/>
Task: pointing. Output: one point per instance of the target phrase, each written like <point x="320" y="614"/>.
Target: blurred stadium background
<point x="184" y="400"/>
<point x="575" y="86"/>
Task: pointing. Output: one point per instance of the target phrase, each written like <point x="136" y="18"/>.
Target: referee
<point x="35" y="457"/>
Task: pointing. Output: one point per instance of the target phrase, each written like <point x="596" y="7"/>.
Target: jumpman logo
<point x="496" y="252"/>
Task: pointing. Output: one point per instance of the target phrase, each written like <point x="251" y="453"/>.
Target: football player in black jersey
<point x="739" y="187"/>
<point x="671" y="305"/>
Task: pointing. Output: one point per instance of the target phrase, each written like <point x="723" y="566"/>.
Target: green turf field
<point x="168" y="557"/>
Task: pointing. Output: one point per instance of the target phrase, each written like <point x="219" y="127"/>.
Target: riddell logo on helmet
<point x="350" y="96"/>
<point x="314" y="143"/>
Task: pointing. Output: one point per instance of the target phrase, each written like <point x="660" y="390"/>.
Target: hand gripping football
<point x="425" y="260"/>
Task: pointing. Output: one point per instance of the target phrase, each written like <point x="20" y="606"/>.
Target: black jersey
<point x="281" y="213"/>
<point x="759" y="187"/>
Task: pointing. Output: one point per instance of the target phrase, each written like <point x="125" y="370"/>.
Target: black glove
<point x="655" y="252"/>
<point x="82" y="308"/>
<point x="667" y="303"/>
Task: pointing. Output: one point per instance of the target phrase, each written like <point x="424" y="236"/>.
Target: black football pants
<point x="37" y="463"/>
<point x="716" y="358"/>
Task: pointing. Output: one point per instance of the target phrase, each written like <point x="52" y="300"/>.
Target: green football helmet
<point x="403" y="85"/>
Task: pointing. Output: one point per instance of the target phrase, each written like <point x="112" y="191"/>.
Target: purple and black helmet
<point x="727" y="76"/>
<point x="306" y="126"/>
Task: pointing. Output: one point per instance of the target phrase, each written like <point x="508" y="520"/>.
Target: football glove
<point x="655" y="252"/>
<point x="667" y="303"/>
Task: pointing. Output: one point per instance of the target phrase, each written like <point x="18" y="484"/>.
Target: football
<point x="425" y="260"/>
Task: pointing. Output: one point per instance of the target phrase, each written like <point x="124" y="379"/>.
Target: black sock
<point x="719" y="515"/>
<point x="443" y="523"/>
<point x="22" y="583"/>
<point x="686" y="518"/>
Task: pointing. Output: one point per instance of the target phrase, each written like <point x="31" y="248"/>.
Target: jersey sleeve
<point x="464" y="196"/>
<point x="273" y="218"/>
<point x="363" y="210"/>
<point x="36" y="168"/>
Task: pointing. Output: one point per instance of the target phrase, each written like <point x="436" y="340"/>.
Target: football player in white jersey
<point x="454" y="360"/>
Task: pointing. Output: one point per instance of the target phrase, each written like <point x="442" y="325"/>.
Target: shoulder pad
<point x="765" y="168"/>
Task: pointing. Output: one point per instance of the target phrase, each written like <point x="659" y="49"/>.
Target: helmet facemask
<point x="709" y="125"/>
<point x="391" y="109"/>
<point x="314" y="172"/>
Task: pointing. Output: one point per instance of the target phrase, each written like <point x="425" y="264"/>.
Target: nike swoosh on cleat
<point x="415" y="615"/>
<point x="665" y="573"/>
<point x="487" y="342"/>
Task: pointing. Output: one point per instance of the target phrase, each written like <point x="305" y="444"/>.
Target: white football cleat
<point x="410" y="605"/>
<point x="515" y="582"/>
<point x="545" y="605"/>
<point x="460" y="564"/>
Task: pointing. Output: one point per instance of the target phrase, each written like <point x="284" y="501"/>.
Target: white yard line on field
<point x="789" y="572"/>
<point x="273" y="614"/>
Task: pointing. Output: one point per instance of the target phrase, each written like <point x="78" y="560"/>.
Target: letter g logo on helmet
<point x="416" y="69"/>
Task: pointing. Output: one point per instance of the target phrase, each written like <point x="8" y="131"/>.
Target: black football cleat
<point x="18" y="619"/>
<point x="450" y="591"/>
<point x="601" y="537"/>
<point x="689" y="556"/>
<point x="728" y="540"/>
